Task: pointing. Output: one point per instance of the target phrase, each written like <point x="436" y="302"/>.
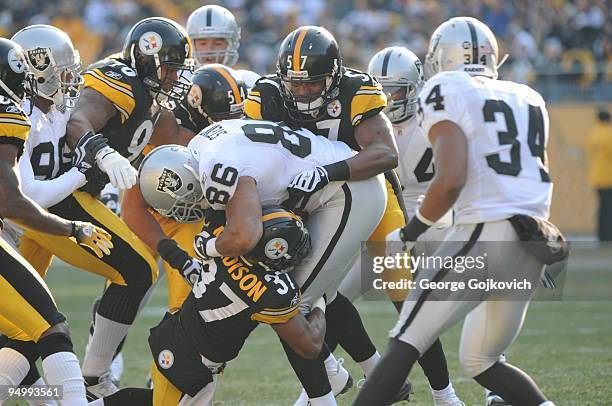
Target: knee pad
<point x="56" y="339"/>
<point x="475" y="364"/>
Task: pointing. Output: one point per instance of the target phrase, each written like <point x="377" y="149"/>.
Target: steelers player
<point x="28" y="313"/>
<point x="312" y="89"/>
<point x="125" y="99"/>
<point x="218" y="93"/>
<point x="230" y="297"/>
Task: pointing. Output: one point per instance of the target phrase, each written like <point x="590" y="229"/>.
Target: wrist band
<point x="338" y="171"/>
<point x="417" y="226"/>
<point x="211" y="248"/>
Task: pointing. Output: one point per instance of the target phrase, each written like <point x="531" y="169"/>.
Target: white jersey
<point x="506" y="125"/>
<point x="416" y="168"/>
<point x="249" y="77"/>
<point x="45" y="157"/>
<point x="271" y="153"/>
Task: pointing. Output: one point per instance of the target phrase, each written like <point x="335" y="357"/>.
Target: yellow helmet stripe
<point x="272" y="216"/>
<point x="296" y="50"/>
<point x="231" y="82"/>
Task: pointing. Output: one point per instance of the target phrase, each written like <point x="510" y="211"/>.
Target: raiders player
<point x="400" y="73"/>
<point x="215" y="36"/>
<point x="28" y="313"/>
<point x="230" y="297"/>
<point x="122" y="99"/>
<point x="489" y="142"/>
<point x="312" y="89"/>
<point x="243" y="164"/>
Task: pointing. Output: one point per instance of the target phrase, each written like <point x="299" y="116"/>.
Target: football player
<point x="230" y="297"/>
<point x="215" y="36"/>
<point x="489" y="144"/>
<point x="245" y="163"/>
<point x="400" y="73"/>
<point x="312" y="89"/>
<point x="28" y="313"/>
<point x="124" y="98"/>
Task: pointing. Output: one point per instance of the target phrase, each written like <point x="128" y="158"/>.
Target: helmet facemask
<point x="189" y="206"/>
<point x="227" y="56"/>
<point x="318" y="93"/>
<point x="402" y="99"/>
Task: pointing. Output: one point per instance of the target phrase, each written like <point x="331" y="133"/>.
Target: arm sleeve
<point x="48" y="192"/>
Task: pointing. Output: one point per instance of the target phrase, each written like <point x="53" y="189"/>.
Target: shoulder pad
<point x="115" y="81"/>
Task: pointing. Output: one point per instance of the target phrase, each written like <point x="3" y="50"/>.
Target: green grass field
<point x="565" y="345"/>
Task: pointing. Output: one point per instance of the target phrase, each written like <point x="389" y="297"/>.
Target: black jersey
<point x="131" y="127"/>
<point x="231" y="299"/>
<point x="360" y="97"/>
<point x="14" y="124"/>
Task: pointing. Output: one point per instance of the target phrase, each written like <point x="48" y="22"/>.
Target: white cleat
<point x="495" y="400"/>
<point x="104" y="387"/>
<point x="339" y="379"/>
<point x="454" y="401"/>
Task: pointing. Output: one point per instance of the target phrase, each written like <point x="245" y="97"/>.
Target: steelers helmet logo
<point x="150" y="43"/>
<point x="276" y="248"/>
<point x="39" y="58"/>
<point x="165" y="359"/>
<point x="16" y="60"/>
<point x="169" y="181"/>
<point x="334" y="108"/>
<point x="195" y="96"/>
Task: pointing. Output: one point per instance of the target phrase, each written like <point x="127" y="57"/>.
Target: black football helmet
<point x="159" y="50"/>
<point x="15" y="77"/>
<point x="285" y="241"/>
<point x="309" y="56"/>
<point x="217" y="93"/>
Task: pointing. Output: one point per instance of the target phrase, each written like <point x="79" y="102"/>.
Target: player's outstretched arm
<point x="167" y="131"/>
<point x="91" y="113"/>
<point x="16" y="206"/>
<point x="378" y="150"/>
<point x="305" y="335"/>
<point x="135" y="213"/>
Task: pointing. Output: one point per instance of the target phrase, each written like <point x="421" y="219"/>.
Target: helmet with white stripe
<point x="214" y="22"/>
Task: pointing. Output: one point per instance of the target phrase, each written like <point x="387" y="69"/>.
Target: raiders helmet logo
<point x="16" y="60"/>
<point x="150" y="43"/>
<point x="40" y="58"/>
<point x="169" y="181"/>
<point x="276" y="248"/>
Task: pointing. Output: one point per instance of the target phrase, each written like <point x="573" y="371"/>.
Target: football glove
<point x="120" y="171"/>
<point x="305" y="184"/>
<point x="84" y="154"/>
<point x="203" y="248"/>
<point x="90" y="236"/>
<point x="397" y="244"/>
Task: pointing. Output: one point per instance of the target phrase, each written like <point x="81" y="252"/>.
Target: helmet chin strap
<point x="503" y="60"/>
<point x="9" y="92"/>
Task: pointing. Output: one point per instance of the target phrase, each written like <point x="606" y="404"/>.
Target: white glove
<point x="395" y="245"/>
<point x="120" y="171"/>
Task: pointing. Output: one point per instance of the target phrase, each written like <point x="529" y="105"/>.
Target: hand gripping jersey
<point x="416" y="167"/>
<point x="14" y="124"/>
<point x="506" y="125"/>
<point x="130" y="129"/>
<point x="360" y="97"/>
<point x="231" y="299"/>
<point x="271" y="153"/>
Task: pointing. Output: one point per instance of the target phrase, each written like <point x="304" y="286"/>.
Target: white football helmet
<point x="55" y="63"/>
<point x="463" y="43"/>
<point x="170" y="184"/>
<point x="215" y="22"/>
<point x="397" y="68"/>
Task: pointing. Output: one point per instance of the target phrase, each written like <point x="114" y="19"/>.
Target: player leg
<point x="337" y="230"/>
<point x="421" y="322"/>
<point x="29" y="313"/>
<point x="130" y="267"/>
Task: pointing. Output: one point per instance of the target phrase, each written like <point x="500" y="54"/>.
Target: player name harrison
<point x="486" y="285"/>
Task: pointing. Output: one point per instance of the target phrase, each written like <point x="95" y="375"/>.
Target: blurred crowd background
<point x="562" y="47"/>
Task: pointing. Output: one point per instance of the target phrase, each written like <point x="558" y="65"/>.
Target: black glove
<point x="304" y="185"/>
<point x="179" y="259"/>
<point x="96" y="181"/>
<point x="84" y="154"/>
